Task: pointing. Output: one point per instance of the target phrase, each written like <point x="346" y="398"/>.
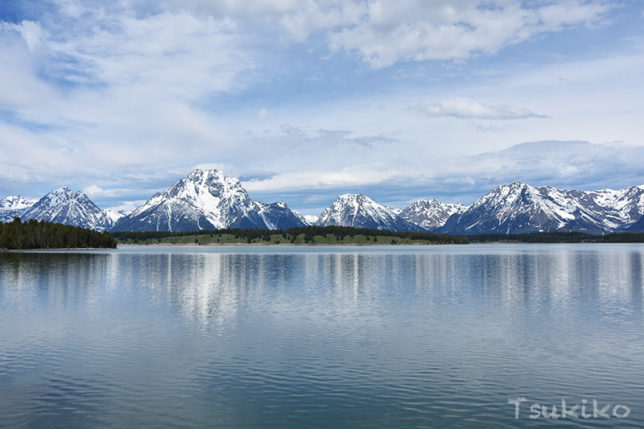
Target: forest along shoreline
<point x="35" y="235"/>
<point x="336" y="235"/>
<point x="329" y="235"/>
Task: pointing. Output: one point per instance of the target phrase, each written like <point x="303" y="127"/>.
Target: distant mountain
<point x="115" y="214"/>
<point x="430" y="214"/>
<point x="206" y="199"/>
<point x="521" y="208"/>
<point x="360" y="211"/>
<point x="14" y="206"/>
<point x="618" y="208"/>
<point x="68" y="208"/>
<point x="279" y="216"/>
<point x="311" y="219"/>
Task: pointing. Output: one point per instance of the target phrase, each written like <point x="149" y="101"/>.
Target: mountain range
<point x="207" y="199"/>
<point x="360" y="211"/>
<point x="520" y="208"/>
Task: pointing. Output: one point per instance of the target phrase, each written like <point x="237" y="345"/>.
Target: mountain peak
<point x="208" y="175"/>
<point x="521" y="208"/>
<point x="62" y="190"/>
<point x="14" y="206"/>
<point x="200" y="172"/>
<point x="206" y="199"/>
<point x="513" y="186"/>
<point x="430" y="214"/>
<point x="67" y="207"/>
<point x="354" y="197"/>
<point x="360" y="211"/>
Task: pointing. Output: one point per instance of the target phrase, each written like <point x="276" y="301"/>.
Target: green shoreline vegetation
<point x="328" y="235"/>
<point x="339" y="235"/>
<point x="46" y="235"/>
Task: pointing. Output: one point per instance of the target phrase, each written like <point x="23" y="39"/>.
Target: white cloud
<point x="30" y="31"/>
<point x="567" y="164"/>
<point x="413" y="30"/>
<point x="465" y="108"/>
<point x="93" y="191"/>
<point x="133" y="93"/>
<point x="113" y="89"/>
<point x="384" y="32"/>
<point x="176" y="55"/>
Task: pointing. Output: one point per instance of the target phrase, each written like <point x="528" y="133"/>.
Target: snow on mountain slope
<point x="115" y="214"/>
<point x="311" y="219"/>
<point x="430" y="214"/>
<point x="69" y="208"/>
<point x="209" y="200"/>
<point x="360" y="211"/>
<point x="618" y="208"/>
<point x="206" y="199"/>
<point x="279" y="216"/>
<point x="520" y="208"/>
<point x="14" y="206"/>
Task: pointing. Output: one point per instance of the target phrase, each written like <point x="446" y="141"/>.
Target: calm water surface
<point x="439" y="336"/>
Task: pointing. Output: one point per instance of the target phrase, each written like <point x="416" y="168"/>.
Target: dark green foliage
<point x="46" y="235"/>
<point x="341" y="234"/>
<point x="308" y="234"/>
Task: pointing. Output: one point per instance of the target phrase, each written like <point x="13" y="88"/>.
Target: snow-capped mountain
<point x="209" y="200"/>
<point x="69" y="208"/>
<point x="430" y="214"/>
<point x="14" y="206"/>
<point x="115" y="214"/>
<point x="279" y="216"/>
<point x="206" y="199"/>
<point x="360" y="211"/>
<point x="310" y="219"/>
<point x="521" y="208"/>
<point x="618" y="208"/>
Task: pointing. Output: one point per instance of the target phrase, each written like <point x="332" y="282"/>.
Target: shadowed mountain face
<point x="14" y="206"/>
<point x="430" y="214"/>
<point x="521" y="208"/>
<point x="206" y="199"/>
<point x="68" y="208"/>
<point x="637" y="226"/>
<point x="360" y="211"/>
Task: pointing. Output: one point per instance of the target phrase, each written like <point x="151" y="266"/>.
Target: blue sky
<point x="304" y="100"/>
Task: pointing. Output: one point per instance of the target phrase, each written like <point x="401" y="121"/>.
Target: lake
<point x="392" y="336"/>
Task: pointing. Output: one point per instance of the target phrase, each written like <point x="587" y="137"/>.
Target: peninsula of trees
<point x="46" y="235"/>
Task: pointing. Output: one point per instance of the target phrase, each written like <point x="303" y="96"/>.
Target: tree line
<point x="46" y="235"/>
<point x="290" y="235"/>
<point x="341" y="232"/>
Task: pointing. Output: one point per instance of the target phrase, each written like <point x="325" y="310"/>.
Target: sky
<point x="306" y="100"/>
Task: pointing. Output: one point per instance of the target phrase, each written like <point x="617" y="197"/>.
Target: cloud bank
<point x="122" y="98"/>
<point x="464" y="108"/>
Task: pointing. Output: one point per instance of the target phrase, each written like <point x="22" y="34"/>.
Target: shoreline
<point x="56" y="248"/>
<point x="281" y="244"/>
